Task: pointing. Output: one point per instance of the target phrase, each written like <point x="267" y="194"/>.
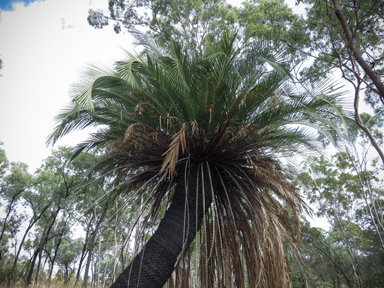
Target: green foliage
<point x="323" y="35"/>
<point x="332" y="261"/>
<point x="352" y="252"/>
<point x="263" y="18"/>
<point x="337" y="186"/>
<point x="192" y="79"/>
<point x="6" y="268"/>
<point x="14" y="180"/>
<point x="164" y="18"/>
<point x="69" y="252"/>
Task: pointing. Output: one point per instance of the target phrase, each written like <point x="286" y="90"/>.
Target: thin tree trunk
<point x="92" y="242"/>
<point x="6" y="217"/>
<point x="154" y="265"/>
<point x="31" y="224"/>
<point x="44" y="241"/>
<point x="40" y="249"/>
<point x="66" y="275"/>
<point x="367" y="69"/>
<point x="38" y="267"/>
<point x="115" y="239"/>
<point x="52" y="255"/>
<point x="105" y="275"/>
<point x="56" y="249"/>
<point x="34" y="257"/>
<point x="83" y="253"/>
<point x="98" y="262"/>
<point x="12" y="274"/>
<point x="355" y="53"/>
<point x="361" y="125"/>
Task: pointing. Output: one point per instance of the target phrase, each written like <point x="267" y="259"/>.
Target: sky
<point x="44" y="45"/>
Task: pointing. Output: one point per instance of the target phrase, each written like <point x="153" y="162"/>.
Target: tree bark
<point x="38" y="267"/>
<point x="47" y="233"/>
<point x="29" y="278"/>
<point x="92" y="242"/>
<point x="32" y="222"/>
<point x="362" y="126"/>
<point x="56" y="249"/>
<point x="355" y="53"/>
<point x="83" y="253"/>
<point x="153" y="266"/>
<point x="115" y="239"/>
<point x="6" y="217"/>
<point x="367" y="69"/>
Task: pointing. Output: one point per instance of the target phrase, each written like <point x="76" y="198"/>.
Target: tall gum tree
<point x="345" y="36"/>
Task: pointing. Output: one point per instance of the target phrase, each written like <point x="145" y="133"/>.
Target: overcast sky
<point x="44" y="45"/>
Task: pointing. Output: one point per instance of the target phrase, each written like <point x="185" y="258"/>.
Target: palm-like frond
<point x="225" y="117"/>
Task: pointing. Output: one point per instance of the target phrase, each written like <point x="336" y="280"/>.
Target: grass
<point x="55" y="283"/>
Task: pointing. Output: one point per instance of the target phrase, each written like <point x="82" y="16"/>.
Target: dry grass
<point x="42" y="284"/>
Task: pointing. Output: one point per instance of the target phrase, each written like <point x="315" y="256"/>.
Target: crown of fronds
<point x="228" y="110"/>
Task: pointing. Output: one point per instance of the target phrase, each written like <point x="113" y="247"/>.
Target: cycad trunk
<point x="153" y="266"/>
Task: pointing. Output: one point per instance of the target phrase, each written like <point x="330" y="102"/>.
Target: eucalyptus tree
<point x="351" y="200"/>
<point x="14" y="181"/>
<point x="54" y="205"/>
<point x="199" y="136"/>
<point x="38" y="205"/>
<point x="70" y="250"/>
<point x="164" y="18"/>
<point x="345" y="37"/>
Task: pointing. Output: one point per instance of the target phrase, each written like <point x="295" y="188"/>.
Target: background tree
<point x="14" y="180"/>
<point x="163" y="19"/>
<point x="68" y="254"/>
<point x="345" y="37"/>
<point x="351" y="253"/>
<point x="52" y="205"/>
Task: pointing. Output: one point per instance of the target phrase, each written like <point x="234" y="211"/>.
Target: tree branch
<point x="355" y="53"/>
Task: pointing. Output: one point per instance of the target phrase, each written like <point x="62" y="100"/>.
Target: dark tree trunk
<point x="62" y="232"/>
<point x="6" y="218"/>
<point x="92" y="242"/>
<point x="44" y="241"/>
<point x="83" y="253"/>
<point x="38" y="267"/>
<point x="82" y="257"/>
<point x="34" y="257"/>
<point x="31" y="224"/>
<point x="153" y="266"/>
<point x="13" y="271"/>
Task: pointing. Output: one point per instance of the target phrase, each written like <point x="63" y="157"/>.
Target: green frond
<point x="81" y="91"/>
<point x="130" y="69"/>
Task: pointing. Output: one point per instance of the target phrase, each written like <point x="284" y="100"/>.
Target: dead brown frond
<point x="132" y="131"/>
<point x="247" y="231"/>
<point x="275" y="98"/>
<point x="172" y="155"/>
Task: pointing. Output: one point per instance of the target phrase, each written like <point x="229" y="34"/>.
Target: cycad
<point x="202" y="136"/>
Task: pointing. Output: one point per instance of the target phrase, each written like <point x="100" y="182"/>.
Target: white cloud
<point x="41" y="60"/>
